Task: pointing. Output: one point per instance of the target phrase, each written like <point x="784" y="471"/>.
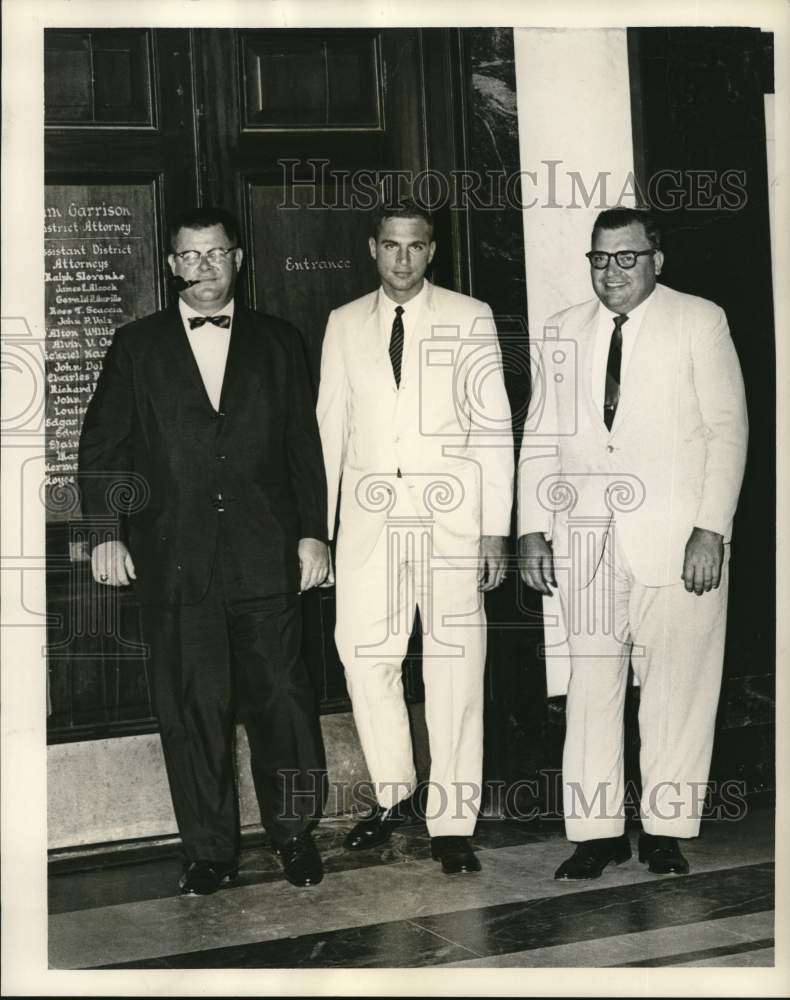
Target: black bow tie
<point x="221" y="320"/>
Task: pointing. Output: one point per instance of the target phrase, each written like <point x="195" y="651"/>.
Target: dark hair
<point x="617" y="218"/>
<point x="203" y="218"/>
<point x="406" y="209"/>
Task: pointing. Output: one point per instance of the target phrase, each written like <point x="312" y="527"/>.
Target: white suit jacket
<point x="447" y="429"/>
<point x="675" y="456"/>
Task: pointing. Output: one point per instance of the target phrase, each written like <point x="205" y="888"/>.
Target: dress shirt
<point x="209" y="345"/>
<point x="410" y="317"/>
<point x="603" y="337"/>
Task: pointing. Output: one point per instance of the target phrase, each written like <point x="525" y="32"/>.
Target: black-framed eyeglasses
<point x="216" y="255"/>
<point x="625" y="258"/>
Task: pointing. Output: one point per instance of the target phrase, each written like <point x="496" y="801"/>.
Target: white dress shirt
<point x="603" y="338"/>
<point x="209" y="345"/>
<point x="410" y="317"/>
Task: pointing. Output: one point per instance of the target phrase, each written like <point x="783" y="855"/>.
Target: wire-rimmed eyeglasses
<point x="216" y="255"/>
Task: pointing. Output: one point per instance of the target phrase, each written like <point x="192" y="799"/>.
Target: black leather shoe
<point x="204" y="877"/>
<point x="662" y="855"/>
<point x="375" y="829"/>
<point x="455" y="854"/>
<point x="301" y="861"/>
<point x="592" y="856"/>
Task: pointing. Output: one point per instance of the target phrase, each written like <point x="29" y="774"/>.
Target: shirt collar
<point x="187" y="311"/>
<point x="388" y="305"/>
<point x="635" y="316"/>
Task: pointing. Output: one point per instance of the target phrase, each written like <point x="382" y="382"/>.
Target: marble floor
<point x="393" y="908"/>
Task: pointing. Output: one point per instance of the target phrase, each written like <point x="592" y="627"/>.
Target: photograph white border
<point x="23" y="702"/>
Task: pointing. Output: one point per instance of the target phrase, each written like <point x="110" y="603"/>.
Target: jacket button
<point x="221" y="458"/>
<point x="610" y="447"/>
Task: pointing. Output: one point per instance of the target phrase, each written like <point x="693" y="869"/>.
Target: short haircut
<point x="405" y="209"/>
<point x="204" y="218"/>
<point x="617" y="218"/>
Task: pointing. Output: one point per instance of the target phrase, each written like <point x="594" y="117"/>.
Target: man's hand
<point x="112" y="565"/>
<point x="492" y="562"/>
<point x="536" y="562"/>
<point x="313" y="562"/>
<point x="330" y="576"/>
<point x="703" y="560"/>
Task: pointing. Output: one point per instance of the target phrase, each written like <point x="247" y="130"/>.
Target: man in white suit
<point x="626" y="505"/>
<point x="415" y="420"/>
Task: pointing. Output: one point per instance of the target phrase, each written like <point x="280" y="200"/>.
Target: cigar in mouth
<point x="182" y="284"/>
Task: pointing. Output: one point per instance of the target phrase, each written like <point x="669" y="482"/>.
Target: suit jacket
<point x="150" y="417"/>
<point x="447" y="429"/>
<point x="677" y="446"/>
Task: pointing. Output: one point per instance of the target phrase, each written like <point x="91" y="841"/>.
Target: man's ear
<point x="658" y="261"/>
<point x="238" y="257"/>
<point x="431" y="250"/>
<point x="372" y="245"/>
<point x="171" y="260"/>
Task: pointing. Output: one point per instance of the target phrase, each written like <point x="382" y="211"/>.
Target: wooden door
<point x="120" y="162"/>
<point x="297" y="132"/>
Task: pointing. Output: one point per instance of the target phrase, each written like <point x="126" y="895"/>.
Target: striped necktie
<point x="612" y="388"/>
<point x="396" y="344"/>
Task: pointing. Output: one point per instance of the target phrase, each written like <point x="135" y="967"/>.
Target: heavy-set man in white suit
<point x="626" y="506"/>
<point x="415" y="420"/>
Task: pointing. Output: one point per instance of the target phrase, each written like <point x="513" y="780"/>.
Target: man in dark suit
<point x="208" y="404"/>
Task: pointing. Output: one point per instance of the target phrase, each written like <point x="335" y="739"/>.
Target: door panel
<point x="294" y="131"/>
<point x="120" y="162"/>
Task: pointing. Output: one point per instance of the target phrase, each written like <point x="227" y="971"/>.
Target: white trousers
<point x="376" y="606"/>
<point x="675" y="640"/>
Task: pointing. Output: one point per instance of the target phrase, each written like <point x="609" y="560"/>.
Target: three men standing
<point x="209" y="406"/>
<point x="626" y="506"/>
<point x="414" y="417"/>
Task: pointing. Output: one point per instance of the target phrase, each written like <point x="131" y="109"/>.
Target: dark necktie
<point x="612" y="389"/>
<point x="396" y="344"/>
<point x="219" y="320"/>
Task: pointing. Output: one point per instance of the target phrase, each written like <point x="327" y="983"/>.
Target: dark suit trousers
<point x="235" y="654"/>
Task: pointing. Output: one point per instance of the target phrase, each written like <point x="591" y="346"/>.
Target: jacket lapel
<point x="240" y="355"/>
<point x="181" y="362"/>
<point x="642" y="367"/>
<point x="373" y="349"/>
<point x="419" y="330"/>
<point x="586" y="347"/>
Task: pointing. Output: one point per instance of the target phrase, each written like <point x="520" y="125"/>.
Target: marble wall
<point x="522" y="736"/>
<point x="516" y="258"/>
<point x="497" y="239"/>
<point x="101" y="791"/>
